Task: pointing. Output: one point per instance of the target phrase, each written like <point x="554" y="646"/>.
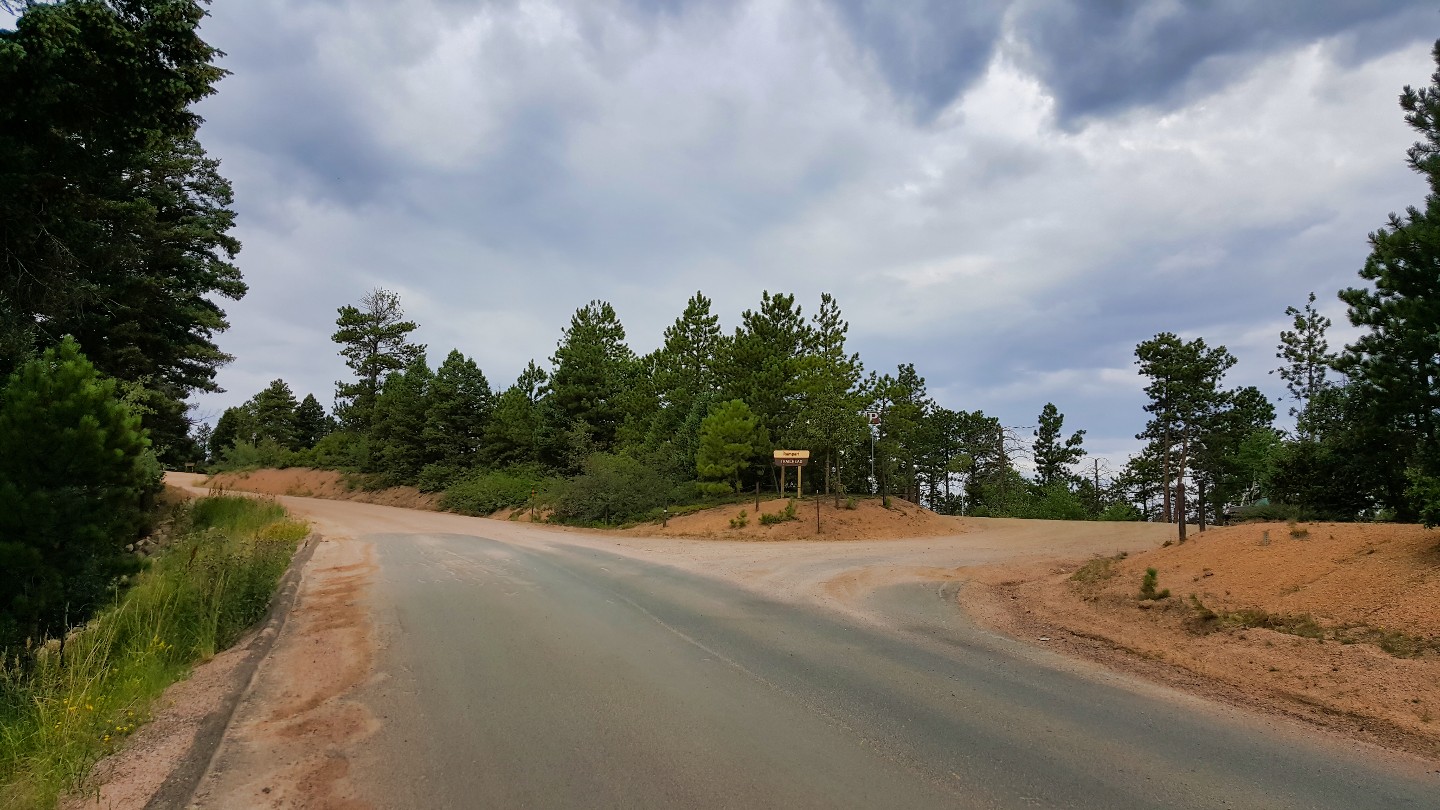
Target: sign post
<point x="792" y="458"/>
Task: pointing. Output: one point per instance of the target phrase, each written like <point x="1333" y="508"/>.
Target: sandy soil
<point x="1361" y="584"/>
<point x="867" y="521"/>
<point x="295" y="734"/>
<point x="301" y="482"/>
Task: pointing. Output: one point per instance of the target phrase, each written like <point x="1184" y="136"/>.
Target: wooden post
<point x="800" y="481"/>
<point x="757" y="498"/>
<point x="817" y="512"/>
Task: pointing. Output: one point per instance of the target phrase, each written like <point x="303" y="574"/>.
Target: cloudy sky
<point x="1010" y="195"/>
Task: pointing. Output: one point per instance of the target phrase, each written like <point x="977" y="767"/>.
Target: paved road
<point x="560" y="675"/>
<point x="441" y="661"/>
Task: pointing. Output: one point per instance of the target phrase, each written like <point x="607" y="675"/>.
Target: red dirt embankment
<point x="302" y="482"/>
<point x="868" y="520"/>
<point x="1337" y="623"/>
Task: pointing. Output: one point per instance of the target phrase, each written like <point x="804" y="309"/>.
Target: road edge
<point x="180" y="786"/>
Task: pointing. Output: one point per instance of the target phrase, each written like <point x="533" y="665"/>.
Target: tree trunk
<point x="1200" y="502"/>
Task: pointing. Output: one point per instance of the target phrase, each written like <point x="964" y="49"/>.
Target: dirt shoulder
<point x="1337" y="624"/>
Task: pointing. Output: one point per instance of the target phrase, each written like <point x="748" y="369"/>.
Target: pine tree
<point x="830" y="417"/>
<point x="592" y="367"/>
<point x="460" y="407"/>
<point x="374" y="340"/>
<point x="764" y="363"/>
<point x="730" y="438"/>
<point x="510" y="436"/>
<point x="1054" y="458"/>
<point x="235" y="425"/>
<point x="273" y="410"/>
<point x="1395" y="363"/>
<point x="311" y="422"/>
<point x="1184" y="393"/>
<point x="397" y="430"/>
<point x="76" y="477"/>
<point x="1306" y="354"/>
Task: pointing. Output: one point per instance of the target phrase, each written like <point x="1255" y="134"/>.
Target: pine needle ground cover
<point x="69" y="702"/>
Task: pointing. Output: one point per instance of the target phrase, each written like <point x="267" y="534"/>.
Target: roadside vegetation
<point x="68" y="700"/>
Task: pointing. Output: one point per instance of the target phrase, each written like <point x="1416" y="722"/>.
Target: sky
<point x="1010" y="195"/>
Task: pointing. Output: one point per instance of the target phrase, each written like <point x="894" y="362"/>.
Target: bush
<point x="741" y="520"/>
<point x="76" y="481"/>
<point x="610" y="490"/>
<point x="484" y="492"/>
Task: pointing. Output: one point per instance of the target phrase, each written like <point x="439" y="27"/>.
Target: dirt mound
<point x="868" y="520"/>
<point x="302" y="482"/>
<point x="1338" y="623"/>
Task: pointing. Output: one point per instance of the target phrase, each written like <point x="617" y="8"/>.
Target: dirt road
<point x="441" y="661"/>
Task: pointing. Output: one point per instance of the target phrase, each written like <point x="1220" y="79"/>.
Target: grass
<point x="75" y="700"/>
<point x="1096" y="570"/>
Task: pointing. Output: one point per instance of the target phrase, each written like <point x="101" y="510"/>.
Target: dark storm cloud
<point x="1100" y="57"/>
<point x="928" y="51"/>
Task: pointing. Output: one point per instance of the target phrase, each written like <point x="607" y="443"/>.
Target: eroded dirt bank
<point x="1338" y="624"/>
<point x="302" y="482"/>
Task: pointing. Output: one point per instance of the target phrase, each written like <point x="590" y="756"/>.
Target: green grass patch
<point x="69" y="702"/>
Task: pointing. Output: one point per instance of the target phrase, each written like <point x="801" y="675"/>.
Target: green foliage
<point x="64" y="706"/>
<point x="397" y="426"/>
<point x="741" y="520"/>
<point x="1306" y="354"/>
<point x="116" y="223"/>
<point x="1148" y="584"/>
<point x="509" y="437"/>
<point x="730" y="437"/>
<point x="374" y="339"/>
<point x="484" y="492"/>
<point x="611" y="490"/>
<point x="311" y="422"/>
<point x="1120" y="510"/>
<point x="1424" y="495"/>
<point x="458" y="412"/>
<point x="76" y="480"/>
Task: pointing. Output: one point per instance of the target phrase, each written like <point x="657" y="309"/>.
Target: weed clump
<point x="741" y="520"/>
<point x="1097" y="569"/>
<point x="1147" y="586"/>
<point x="783" y="516"/>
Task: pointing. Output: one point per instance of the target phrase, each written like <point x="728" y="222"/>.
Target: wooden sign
<point x="792" y="458"/>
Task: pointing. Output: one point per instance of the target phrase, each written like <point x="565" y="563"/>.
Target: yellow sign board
<point x="792" y="454"/>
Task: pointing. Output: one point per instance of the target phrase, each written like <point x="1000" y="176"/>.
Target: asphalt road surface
<point x="519" y="667"/>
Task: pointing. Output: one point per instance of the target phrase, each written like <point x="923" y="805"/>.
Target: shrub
<point x="611" y="489"/>
<point x="851" y="503"/>
<point x="483" y="493"/>
<point x="740" y="521"/>
<point x="1423" y="493"/>
<point x="1148" y="583"/>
